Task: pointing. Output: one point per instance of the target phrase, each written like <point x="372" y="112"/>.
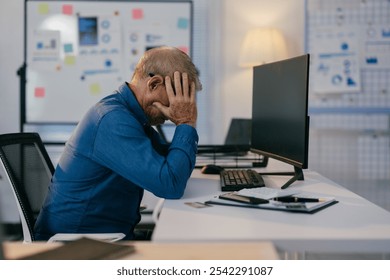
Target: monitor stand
<point x="297" y="175"/>
<point x="261" y="163"/>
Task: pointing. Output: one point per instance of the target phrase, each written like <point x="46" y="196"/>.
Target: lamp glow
<point x="262" y="45"/>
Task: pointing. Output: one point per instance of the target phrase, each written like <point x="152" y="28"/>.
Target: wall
<point x="11" y="58"/>
<point x="239" y="17"/>
<point x="350" y="121"/>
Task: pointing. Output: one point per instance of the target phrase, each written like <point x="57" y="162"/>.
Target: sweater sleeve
<point x="122" y="145"/>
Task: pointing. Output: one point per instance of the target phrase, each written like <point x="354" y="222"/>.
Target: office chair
<point x="29" y="171"/>
<point x="2" y="236"/>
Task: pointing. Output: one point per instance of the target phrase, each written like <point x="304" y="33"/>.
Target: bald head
<point x="165" y="61"/>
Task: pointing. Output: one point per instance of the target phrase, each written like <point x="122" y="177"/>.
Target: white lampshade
<point x="262" y="45"/>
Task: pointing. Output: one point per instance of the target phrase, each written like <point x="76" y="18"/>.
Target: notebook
<point x="85" y="249"/>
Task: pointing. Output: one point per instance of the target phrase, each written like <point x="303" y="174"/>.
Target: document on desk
<point x="85" y="249"/>
<point x="304" y="203"/>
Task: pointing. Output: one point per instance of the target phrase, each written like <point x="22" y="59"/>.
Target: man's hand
<point x="182" y="105"/>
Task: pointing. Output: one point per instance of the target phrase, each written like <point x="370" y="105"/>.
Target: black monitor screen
<point x="280" y="122"/>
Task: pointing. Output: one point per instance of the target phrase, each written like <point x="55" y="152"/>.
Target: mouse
<point x="211" y="169"/>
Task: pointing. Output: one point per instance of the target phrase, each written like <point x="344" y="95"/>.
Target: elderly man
<point x="114" y="153"/>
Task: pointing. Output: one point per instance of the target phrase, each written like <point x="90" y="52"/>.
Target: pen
<point x="297" y="199"/>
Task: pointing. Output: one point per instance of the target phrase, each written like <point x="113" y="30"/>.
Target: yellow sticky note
<point x="94" y="88"/>
<point x="70" y="60"/>
<point x="43" y="8"/>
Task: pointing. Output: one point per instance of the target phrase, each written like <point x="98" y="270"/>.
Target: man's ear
<point x="154" y="82"/>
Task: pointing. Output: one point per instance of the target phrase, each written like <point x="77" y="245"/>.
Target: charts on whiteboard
<point x="349" y="43"/>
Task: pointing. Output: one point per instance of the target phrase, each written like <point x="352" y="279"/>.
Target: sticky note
<point x="183" y="49"/>
<point x="39" y="92"/>
<point x="182" y="23"/>
<point x="94" y="88"/>
<point x="68" y="48"/>
<point x="39" y="45"/>
<point x="138" y="14"/>
<point x="43" y="8"/>
<point x="70" y="60"/>
<point x="67" y="9"/>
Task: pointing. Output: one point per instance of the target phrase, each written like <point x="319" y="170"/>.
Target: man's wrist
<point x="193" y="124"/>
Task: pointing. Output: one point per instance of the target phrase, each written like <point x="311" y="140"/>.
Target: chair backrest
<point x="2" y="236"/>
<point x="29" y="170"/>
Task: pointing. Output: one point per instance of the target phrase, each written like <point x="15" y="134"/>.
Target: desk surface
<point x="352" y="225"/>
<point x="166" y="251"/>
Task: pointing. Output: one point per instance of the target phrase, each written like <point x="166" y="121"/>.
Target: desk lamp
<point x="262" y="45"/>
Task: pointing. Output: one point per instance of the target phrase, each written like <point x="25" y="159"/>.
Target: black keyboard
<point x="237" y="179"/>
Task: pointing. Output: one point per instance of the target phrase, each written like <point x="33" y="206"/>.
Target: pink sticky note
<point x="39" y="92"/>
<point x="67" y="9"/>
<point x="138" y="13"/>
<point x="183" y="49"/>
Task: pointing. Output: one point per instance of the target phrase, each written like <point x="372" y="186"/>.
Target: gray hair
<point x="165" y="61"/>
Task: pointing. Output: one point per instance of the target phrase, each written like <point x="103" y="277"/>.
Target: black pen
<point x="297" y="199"/>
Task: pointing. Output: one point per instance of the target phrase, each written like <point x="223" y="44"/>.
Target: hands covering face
<point x="182" y="102"/>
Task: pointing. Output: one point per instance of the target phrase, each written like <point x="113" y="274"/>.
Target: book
<point x="299" y="207"/>
<point x="84" y="249"/>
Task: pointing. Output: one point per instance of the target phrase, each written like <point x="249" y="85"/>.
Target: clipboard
<point x="300" y="207"/>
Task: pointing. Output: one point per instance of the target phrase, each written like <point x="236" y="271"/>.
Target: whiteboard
<point x="349" y="43"/>
<point x="350" y="39"/>
<point x="77" y="52"/>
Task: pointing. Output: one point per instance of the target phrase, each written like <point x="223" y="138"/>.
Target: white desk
<point x="354" y="225"/>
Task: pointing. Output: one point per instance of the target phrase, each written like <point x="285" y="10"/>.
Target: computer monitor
<point x="280" y="121"/>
